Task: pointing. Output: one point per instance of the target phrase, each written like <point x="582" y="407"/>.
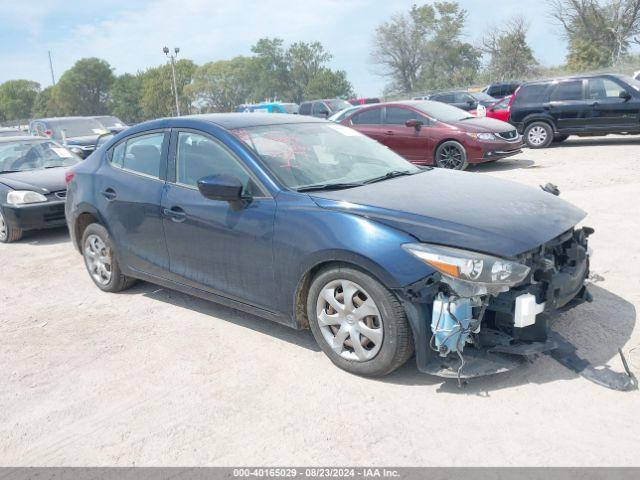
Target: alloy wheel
<point x="98" y="259"/>
<point x="450" y="156"/>
<point x="349" y="320"/>
<point x="4" y="230"/>
<point x="537" y="136"/>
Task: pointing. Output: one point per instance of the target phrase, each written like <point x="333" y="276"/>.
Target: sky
<point x="130" y="34"/>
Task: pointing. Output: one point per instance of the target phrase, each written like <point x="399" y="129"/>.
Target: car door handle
<point x="176" y="214"/>
<point x="595" y="104"/>
<point x="389" y="132"/>
<point x="109" y="194"/>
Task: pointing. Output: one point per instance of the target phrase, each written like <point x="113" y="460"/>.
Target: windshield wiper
<point x="388" y="175"/>
<point x="328" y="186"/>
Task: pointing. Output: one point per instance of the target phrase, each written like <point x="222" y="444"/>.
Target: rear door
<point x="610" y="112"/>
<point x="568" y="105"/>
<point x="412" y="144"/>
<point x="212" y="246"/>
<point x="129" y="190"/>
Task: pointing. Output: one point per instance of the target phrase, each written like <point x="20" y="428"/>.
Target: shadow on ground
<point x="503" y="165"/>
<point x="45" y="237"/>
<point x="597" y="329"/>
<point x="597" y="141"/>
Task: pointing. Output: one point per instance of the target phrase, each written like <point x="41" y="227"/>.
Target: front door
<point x="129" y="191"/>
<point x="213" y="246"/>
<point x="610" y="111"/>
<point x="409" y="142"/>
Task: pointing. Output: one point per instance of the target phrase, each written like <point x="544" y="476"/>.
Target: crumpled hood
<point x="460" y="209"/>
<point x="42" y="181"/>
<point x="483" y="124"/>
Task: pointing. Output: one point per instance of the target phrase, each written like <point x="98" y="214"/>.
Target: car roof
<point x="571" y="77"/>
<point x="235" y="120"/>
<point x="22" y="137"/>
<point x="54" y="119"/>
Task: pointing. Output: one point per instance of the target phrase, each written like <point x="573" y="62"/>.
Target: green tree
<point x="157" y="97"/>
<point x="84" y="88"/>
<point x="329" y="84"/>
<point x="423" y="49"/>
<point x="304" y="61"/>
<point x="221" y="86"/>
<point x="270" y="69"/>
<point x="510" y="56"/>
<point x="126" y="93"/>
<point x="45" y="104"/>
<point x="600" y="32"/>
<point x="17" y="98"/>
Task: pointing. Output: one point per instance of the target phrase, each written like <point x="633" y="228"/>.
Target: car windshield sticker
<point x="62" y="152"/>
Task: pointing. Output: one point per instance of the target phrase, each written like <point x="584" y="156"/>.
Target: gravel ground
<point x="154" y="377"/>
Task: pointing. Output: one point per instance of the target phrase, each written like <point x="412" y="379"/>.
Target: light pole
<point x="172" y="57"/>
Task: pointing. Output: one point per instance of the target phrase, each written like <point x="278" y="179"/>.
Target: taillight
<point x="48" y="133"/>
<point x="68" y="176"/>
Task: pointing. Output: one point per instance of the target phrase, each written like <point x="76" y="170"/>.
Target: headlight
<point x="482" y="136"/>
<point x="21" y="197"/>
<point x="470" y="267"/>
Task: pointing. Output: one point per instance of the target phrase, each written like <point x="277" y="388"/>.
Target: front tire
<point x="359" y="324"/>
<point x="8" y="234"/>
<point x="101" y="260"/>
<point x="451" y="155"/>
<point x="538" y="135"/>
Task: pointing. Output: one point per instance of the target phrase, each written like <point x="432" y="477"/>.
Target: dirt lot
<point x="154" y="377"/>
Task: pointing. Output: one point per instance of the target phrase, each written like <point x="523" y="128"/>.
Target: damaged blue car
<point x="313" y="225"/>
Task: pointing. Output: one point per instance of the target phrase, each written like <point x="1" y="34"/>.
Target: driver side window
<point x="198" y="156"/>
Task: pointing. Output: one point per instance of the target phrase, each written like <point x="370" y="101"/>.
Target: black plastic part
<point x="566" y="355"/>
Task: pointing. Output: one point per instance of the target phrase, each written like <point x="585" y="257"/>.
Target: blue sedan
<point x="313" y="225"/>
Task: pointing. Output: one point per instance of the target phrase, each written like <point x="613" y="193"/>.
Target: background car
<point x="344" y="113"/>
<point x="323" y="108"/>
<point x="9" y="132"/>
<point x="269" y="107"/>
<point x="79" y="134"/>
<point x="551" y="110"/>
<point x="314" y="225"/>
<point x="32" y="185"/>
<point x="363" y="101"/>
<point x="461" y="99"/>
<point x="502" y="89"/>
<point x="636" y="75"/>
<point x="500" y="110"/>
<point x="433" y="133"/>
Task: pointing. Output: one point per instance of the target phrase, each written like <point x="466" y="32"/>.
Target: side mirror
<point x="324" y="113"/>
<point x="625" y="95"/>
<point x="224" y="187"/>
<point x="417" y="124"/>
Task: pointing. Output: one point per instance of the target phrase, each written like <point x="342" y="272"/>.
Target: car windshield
<point x="111" y="122"/>
<point x="483" y="97"/>
<point x="80" y="127"/>
<point x="34" y="154"/>
<point x="442" y="111"/>
<point x="319" y="154"/>
<point x="336" y="105"/>
<point x="290" y="107"/>
<point x="631" y="81"/>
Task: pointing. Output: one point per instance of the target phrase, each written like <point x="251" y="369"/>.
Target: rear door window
<point x="305" y="109"/>
<point x="319" y="108"/>
<point x="567" y="91"/>
<point x="368" y="117"/>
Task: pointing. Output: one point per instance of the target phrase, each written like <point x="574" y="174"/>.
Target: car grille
<point x="510" y="135"/>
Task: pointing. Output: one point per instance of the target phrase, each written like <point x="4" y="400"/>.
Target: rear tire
<point x="368" y="332"/>
<point x="451" y="155"/>
<point x="101" y="260"/>
<point x="8" y="234"/>
<point x="538" y="135"/>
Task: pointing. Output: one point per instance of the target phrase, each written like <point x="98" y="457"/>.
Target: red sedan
<point x="434" y="133"/>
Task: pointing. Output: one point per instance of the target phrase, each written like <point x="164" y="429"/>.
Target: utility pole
<point x="53" y="79"/>
<point x="172" y="58"/>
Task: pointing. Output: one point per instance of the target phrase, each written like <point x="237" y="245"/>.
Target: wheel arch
<point x="539" y="117"/>
<point x="444" y="140"/>
<point x="86" y="216"/>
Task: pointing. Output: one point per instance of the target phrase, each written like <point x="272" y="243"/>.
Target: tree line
<point x="417" y="51"/>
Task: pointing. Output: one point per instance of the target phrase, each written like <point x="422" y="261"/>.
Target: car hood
<point x="460" y="209"/>
<point x="42" y="181"/>
<point x="483" y="124"/>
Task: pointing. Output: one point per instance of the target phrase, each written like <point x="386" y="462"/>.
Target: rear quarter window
<point x="536" y="93"/>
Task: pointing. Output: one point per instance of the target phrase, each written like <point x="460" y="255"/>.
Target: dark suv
<point x="551" y="110"/>
<point x="501" y="90"/>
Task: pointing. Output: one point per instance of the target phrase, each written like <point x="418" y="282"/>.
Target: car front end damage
<point x="465" y="329"/>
